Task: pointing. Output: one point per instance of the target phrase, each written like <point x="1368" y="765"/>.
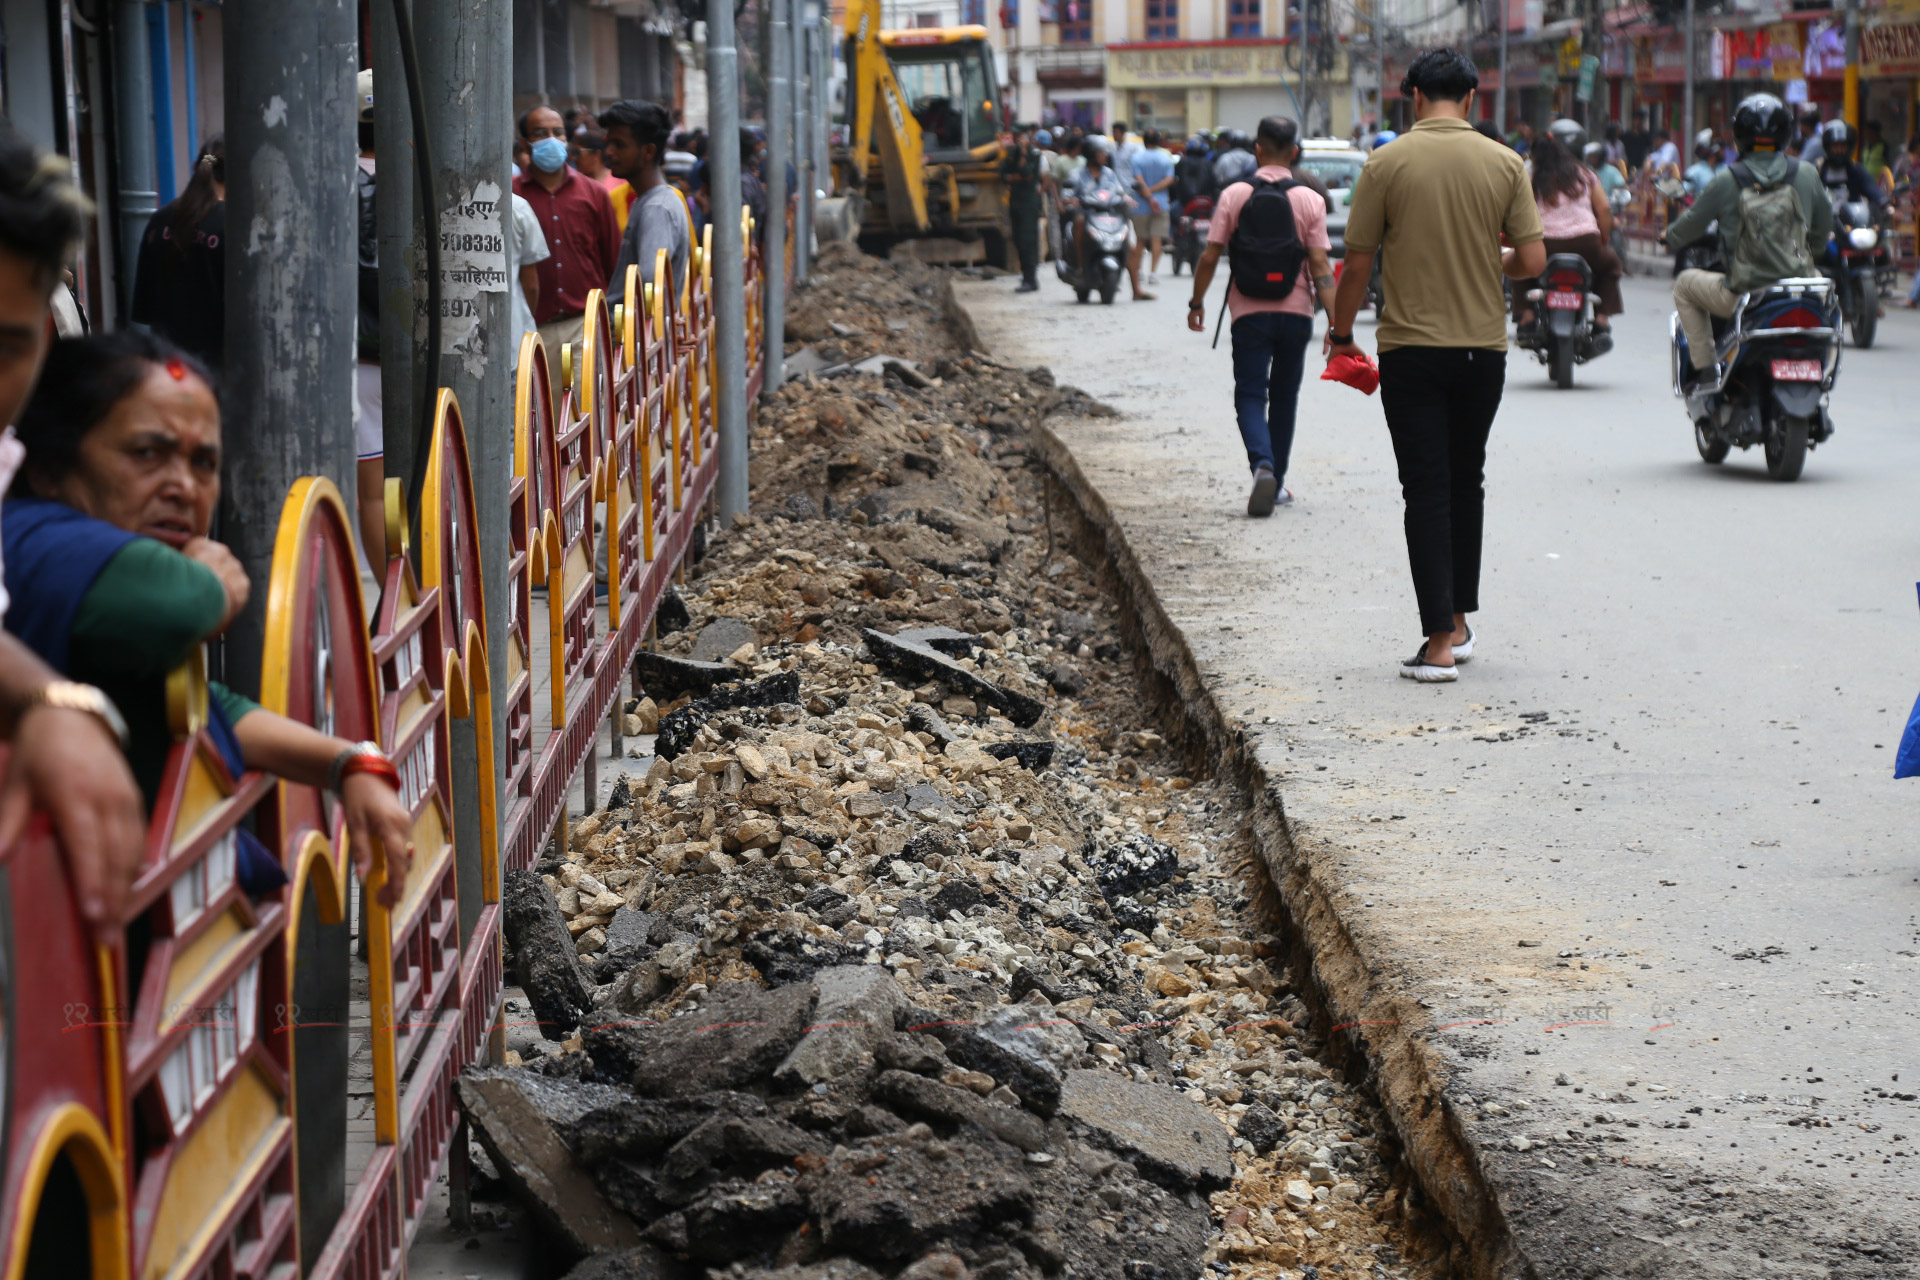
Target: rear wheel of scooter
<point x="1712" y="448"/>
<point x="1868" y="321"/>
<point x="1106" y="294"/>
<point x="1562" y="364"/>
<point x="1082" y="293"/>
<point x="1787" y="449"/>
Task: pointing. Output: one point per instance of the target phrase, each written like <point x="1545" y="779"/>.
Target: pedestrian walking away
<point x="1021" y="171"/>
<point x="1437" y="203"/>
<point x="1153" y="179"/>
<point x="1274" y="231"/>
<point x="369" y="421"/>
<point x="180" y="283"/>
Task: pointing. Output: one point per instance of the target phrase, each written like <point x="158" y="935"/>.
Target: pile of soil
<point x="919" y="952"/>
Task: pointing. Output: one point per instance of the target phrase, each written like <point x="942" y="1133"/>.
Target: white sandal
<point x="1418" y="668"/>
<point x="1463" y="652"/>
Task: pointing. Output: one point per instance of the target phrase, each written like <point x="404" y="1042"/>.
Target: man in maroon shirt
<point x="577" y="218"/>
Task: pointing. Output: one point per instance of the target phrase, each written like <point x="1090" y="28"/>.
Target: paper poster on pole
<point x="473" y="263"/>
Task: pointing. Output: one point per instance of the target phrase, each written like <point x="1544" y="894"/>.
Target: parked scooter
<point x="1860" y="266"/>
<point x="1779" y="356"/>
<point x="1190" y="236"/>
<point x="1561" y="333"/>
<point x="1109" y="242"/>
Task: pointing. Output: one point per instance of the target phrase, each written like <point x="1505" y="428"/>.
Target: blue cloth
<point x="1906" y="761"/>
<point x="1269" y="355"/>
<point x="53" y="555"/>
<point x="1699" y="174"/>
<point x="1155" y="164"/>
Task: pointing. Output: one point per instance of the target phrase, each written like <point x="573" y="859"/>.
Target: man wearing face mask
<point x="577" y="218"/>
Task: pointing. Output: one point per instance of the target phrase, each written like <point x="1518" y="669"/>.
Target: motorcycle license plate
<point x="1796" y="371"/>
<point x="1201" y="226"/>
<point x="1564" y="300"/>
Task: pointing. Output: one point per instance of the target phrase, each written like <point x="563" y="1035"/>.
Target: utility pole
<point x="1500" y="97"/>
<point x="729" y="306"/>
<point x="804" y="33"/>
<point x="1850" y="106"/>
<point x="1379" y="67"/>
<point x="401" y="354"/>
<point x="1686" y="93"/>
<point x="779" y="109"/>
<point x="466" y="80"/>
<point x="291" y="290"/>
<point x="138" y="195"/>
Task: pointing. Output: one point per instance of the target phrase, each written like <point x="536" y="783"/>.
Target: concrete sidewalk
<point x="1626" y="923"/>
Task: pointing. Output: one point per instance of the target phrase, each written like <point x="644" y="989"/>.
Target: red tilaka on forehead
<point x="177" y="368"/>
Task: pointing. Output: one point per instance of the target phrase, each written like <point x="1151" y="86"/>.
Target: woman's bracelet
<point x="361" y="757"/>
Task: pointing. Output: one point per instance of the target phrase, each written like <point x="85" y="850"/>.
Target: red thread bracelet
<point x="367" y="762"/>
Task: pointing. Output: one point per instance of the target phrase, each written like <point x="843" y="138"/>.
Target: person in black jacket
<point x="179" y="284"/>
<point x="1193" y="175"/>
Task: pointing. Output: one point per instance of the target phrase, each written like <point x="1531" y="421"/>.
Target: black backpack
<point x="1265" y="252"/>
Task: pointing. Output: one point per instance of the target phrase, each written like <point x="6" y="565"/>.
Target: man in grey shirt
<point x="636" y="144"/>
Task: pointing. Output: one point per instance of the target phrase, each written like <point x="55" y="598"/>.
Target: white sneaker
<point x="1152" y="279"/>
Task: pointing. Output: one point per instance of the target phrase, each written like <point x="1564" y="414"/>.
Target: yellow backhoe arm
<point x="881" y="119"/>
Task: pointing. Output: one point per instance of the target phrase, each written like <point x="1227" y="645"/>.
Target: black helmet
<point x="1836" y="139"/>
<point x="1570" y="134"/>
<point x="1761" y="120"/>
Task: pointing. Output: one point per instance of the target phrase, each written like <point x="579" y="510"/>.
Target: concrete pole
<point x="395" y="208"/>
<point x="291" y="290"/>
<point x="729" y="304"/>
<point x="138" y="195"/>
<point x="779" y="152"/>
<point x="1686" y="95"/>
<point x="1850" y="103"/>
<point x="1500" y="97"/>
<point x="804" y="33"/>
<point x="466" y="78"/>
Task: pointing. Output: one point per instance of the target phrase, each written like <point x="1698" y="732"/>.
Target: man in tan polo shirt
<point x="1436" y="201"/>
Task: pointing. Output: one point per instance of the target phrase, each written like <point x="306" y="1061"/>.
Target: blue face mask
<point x="549" y="154"/>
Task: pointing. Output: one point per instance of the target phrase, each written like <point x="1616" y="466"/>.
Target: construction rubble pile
<point x="914" y="954"/>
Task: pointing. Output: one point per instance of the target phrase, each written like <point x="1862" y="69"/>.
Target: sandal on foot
<point x="1463" y="652"/>
<point x="1418" y="668"/>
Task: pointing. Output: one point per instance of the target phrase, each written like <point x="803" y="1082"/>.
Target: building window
<point x="1076" y="22"/>
<point x="926" y="20"/>
<point x="1163" y="19"/>
<point x="1243" y="19"/>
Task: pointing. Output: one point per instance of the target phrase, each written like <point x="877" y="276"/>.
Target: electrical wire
<point x="423" y="167"/>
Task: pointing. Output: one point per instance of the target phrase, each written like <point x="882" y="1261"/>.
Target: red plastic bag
<point x="1355" y="369"/>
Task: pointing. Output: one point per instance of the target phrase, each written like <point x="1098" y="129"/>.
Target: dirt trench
<point x="939" y="939"/>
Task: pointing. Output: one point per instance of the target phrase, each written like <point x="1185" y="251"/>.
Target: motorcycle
<point x="1190" y="236"/>
<point x="1779" y="356"/>
<point x="1860" y="266"/>
<point x="1619" y="201"/>
<point x="1561" y="333"/>
<point x="1701" y="253"/>
<point x="1109" y="243"/>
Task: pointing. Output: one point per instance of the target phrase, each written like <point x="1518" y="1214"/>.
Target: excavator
<point x="921" y="157"/>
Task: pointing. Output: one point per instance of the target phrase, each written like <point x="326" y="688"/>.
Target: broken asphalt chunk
<point x="545" y="963"/>
<point x="677" y="730"/>
<point x="923" y="662"/>
<point x="1169" y="1138"/>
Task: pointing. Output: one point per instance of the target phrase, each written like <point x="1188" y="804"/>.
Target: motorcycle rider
<point x="1193" y="174"/>
<point x="1611" y="179"/>
<point x="1575" y="216"/>
<point x="1843" y="176"/>
<point x="1236" y="163"/>
<point x="1762" y="131"/>
<point x="1100" y="182"/>
<point x="1706" y="162"/>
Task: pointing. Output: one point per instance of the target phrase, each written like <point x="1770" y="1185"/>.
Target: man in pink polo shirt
<point x="1272" y="314"/>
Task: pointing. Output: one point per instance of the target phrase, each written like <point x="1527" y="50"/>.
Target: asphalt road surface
<point x="1649" y="844"/>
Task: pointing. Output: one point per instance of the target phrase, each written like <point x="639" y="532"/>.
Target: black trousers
<point x="1026" y="240"/>
<point x="1440" y="403"/>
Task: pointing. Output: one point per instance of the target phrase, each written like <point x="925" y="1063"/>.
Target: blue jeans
<point x="1269" y="352"/>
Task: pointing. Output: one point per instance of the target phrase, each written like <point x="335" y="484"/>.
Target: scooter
<point x="1109" y="244"/>
<point x="1778" y="358"/>
<point x="1561" y="333"/>
<point x="1190" y="236"/>
<point x="1857" y="261"/>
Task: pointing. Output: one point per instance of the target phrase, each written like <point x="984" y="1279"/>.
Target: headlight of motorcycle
<point x="1863" y="237"/>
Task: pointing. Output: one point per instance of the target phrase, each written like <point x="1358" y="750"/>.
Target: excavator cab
<point x="920" y="159"/>
<point x="946" y="75"/>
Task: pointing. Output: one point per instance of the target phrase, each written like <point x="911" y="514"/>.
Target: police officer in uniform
<point x="1020" y="171"/>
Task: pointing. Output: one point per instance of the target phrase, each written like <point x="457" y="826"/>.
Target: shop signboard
<point x="1890" y="47"/>
<point x="1784" y="51"/>
<point x="1589" y="72"/>
<point x="1211" y="64"/>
